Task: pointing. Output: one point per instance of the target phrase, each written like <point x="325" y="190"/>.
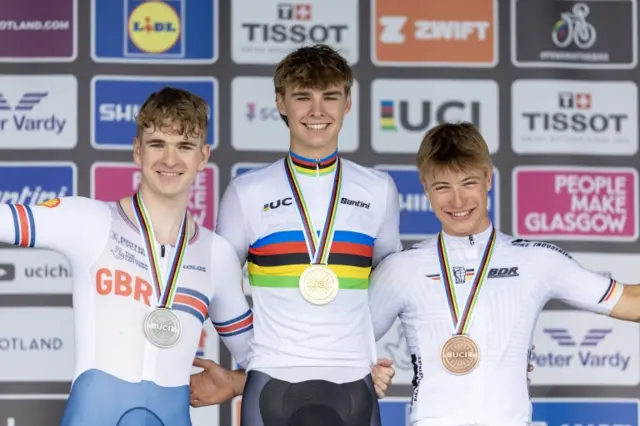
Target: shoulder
<point x="251" y="178"/>
<point x="366" y="173"/>
<point x="534" y="247"/>
<point x="221" y="250"/>
<point x="82" y="205"/>
<point x="412" y="258"/>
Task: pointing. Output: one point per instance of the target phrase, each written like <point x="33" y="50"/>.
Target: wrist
<point x="238" y="380"/>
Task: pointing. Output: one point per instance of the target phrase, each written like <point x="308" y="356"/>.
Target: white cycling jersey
<point x="259" y="218"/>
<point x="112" y="294"/>
<point x="522" y="277"/>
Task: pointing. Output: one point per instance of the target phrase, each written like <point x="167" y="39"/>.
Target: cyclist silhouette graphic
<point x="573" y="27"/>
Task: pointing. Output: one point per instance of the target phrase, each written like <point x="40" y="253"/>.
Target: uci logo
<point x="154" y="27"/>
<point x="272" y="205"/>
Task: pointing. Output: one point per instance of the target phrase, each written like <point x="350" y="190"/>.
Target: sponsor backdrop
<point x="552" y="84"/>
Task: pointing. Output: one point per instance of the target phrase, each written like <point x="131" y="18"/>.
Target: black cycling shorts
<point x="270" y="402"/>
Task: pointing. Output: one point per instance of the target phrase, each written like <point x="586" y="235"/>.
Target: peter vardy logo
<point x="116" y="102"/>
<point x="38" y="112"/>
<point x="573" y="347"/>
<point x="417" y="220"/>
<point x="33" y="183"/>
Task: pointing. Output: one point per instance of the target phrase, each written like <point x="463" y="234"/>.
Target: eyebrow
<point x="160" y="140"/>
<point x="463" y="180"/>
<point x="307" y="93"/>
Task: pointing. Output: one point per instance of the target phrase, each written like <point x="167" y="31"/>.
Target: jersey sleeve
<point x="231" y="223"/>
<point x="388" y="240"/>
<point x="229" y="310"/>
<point x="570" y="282"/>
<point x="74" y="226"/>
<point x="388" y="286"/>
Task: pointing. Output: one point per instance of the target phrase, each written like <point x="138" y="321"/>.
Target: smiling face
<point x="459" y="199"/>
<point x="456" y="172"/>
<point x="315" y="117"/>
<point x="170" y="161"/>
<point x="313" y="95"/>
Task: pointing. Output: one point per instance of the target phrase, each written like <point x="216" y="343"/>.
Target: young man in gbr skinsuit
<point x="145" y="276"/>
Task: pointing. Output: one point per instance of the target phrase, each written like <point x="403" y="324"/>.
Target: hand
<point x="212" y="386"/>
<point x="530" y="366"/>
<point x="382" y="373"/>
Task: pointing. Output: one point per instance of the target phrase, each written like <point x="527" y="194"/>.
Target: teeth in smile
<point x="172" y="174"/>
<point x="317" y="126"/>
<point x="461" y="214"/>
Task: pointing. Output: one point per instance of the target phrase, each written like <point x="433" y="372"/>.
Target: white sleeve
<point x="231" y="224"/>
<point x="76" y="227"/>
<point x="229" y="311"/>
<point x="570" y="282"/>
<point x="388" y="294"/>
<point x="388" y="240"/>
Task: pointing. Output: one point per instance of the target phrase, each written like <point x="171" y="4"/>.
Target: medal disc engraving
<point x="459" y="355"/>
<point x="319" y="284"/>
<point x="162" y="328"/>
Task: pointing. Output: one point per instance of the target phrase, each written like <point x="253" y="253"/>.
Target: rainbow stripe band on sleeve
<point x="235" y="326"/>
<point x="24" y="225"/>
<point x="613" y="288"/>
<point x="278" y="260"/>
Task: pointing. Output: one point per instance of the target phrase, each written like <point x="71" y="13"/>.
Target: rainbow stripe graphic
<point x="323" y="166"/>
<point x="278" y="260"/>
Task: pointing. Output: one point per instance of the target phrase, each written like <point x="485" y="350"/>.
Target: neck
<point x="481" y="227"/>
<point x="165" y="214"/>
<point x="314" y="165"/>
<point x="314" y="153"/>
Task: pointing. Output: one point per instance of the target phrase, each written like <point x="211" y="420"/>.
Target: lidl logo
<point x="140" y="31"/>
<point x="154" y="27"/>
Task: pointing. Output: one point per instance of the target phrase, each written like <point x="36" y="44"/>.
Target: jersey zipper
<point x="162" y="251"/>
<point x="471" y="241"/>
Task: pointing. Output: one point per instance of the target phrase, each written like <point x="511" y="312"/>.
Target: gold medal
<point x="319" y="284"/>
<point x="459" y="355"/>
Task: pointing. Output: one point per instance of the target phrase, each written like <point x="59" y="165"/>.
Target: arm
<point x="229" y="311"/>
<point x="388" y="238"/>
<point x="577" y="286"/>
<point x="387" y="294"/>
<point x="72" y="226"/>
<point x="231" y="224"/>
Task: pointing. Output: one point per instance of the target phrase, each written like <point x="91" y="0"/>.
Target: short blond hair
<point x="174" y="110"/>
<point x="455" y="147"/>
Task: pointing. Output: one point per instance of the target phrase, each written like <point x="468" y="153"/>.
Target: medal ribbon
<point x="461" y="321"/>
<point x="164" y="291"/>
<point x="318" y="246"/>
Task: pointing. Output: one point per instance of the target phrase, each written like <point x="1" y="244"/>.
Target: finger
<point x="530" y="368"/>
<point x="379" y="392"/>
<point x="203" y="363"/>
<point x="387" y="371"/>
<point x="385" y="362"/>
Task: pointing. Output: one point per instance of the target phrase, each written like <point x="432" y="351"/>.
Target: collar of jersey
<point x="480" y="238"/>
<point x="313" y="166"/>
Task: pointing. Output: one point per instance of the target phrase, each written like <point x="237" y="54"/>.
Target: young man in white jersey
<point x="311" y="226"/>
<point x="145" y="276"/>
<point x="468" y="324"/>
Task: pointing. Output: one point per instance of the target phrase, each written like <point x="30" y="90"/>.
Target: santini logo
<point x="358" y="203"/>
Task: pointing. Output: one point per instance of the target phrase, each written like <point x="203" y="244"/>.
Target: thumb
<point x="385" y="362"/>
<point x="203" y="363"/>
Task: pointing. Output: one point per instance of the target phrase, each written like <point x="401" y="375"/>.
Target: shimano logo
<point x="503" y="272"/>
<point x="23" y="120"/>
<point x="358" y="203"/>
<point x="118" y="112"/>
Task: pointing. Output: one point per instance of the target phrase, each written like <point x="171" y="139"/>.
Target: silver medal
<point x="162" y="328"/>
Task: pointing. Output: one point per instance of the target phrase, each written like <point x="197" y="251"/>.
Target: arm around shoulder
<point x="388" y="291"/>
<point x="229" y="310"/>
<point x="231" y="222"/>
<point x="388" y="239"/>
